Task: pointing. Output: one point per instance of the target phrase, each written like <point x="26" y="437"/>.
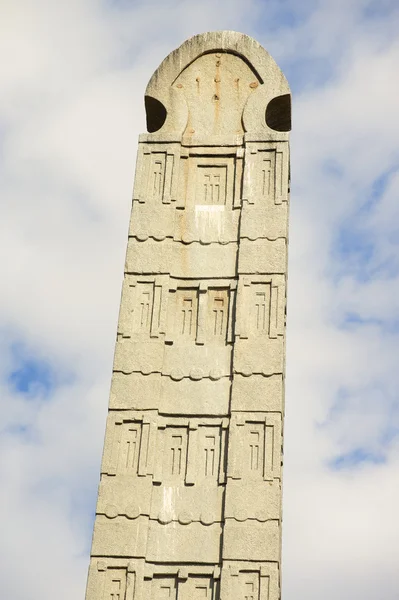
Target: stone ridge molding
<point x="189" y="501"/>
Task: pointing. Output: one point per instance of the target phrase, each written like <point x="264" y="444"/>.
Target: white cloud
<point x="71" y="89"/>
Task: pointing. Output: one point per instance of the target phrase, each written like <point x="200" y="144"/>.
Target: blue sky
<point x="71" y="108"/>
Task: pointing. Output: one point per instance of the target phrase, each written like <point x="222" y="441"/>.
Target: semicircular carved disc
<point x="216" y="87"/>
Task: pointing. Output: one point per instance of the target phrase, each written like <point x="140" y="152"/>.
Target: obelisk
<point x="189" y="502"/>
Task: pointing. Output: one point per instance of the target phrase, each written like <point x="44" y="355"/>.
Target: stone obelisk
<point x="189" y="503"/>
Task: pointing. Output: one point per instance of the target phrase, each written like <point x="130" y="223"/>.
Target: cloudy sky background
<point x="72" y="78"/>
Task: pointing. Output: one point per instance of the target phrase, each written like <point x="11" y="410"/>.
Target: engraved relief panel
<point x="191" y="471"/>
<point x="249" y="584"/>
<point x="260" y="325"/>
<point x="255" y="582"/>
<point x="143" y="307"/>
<point x="218" y="313"/>
<point x="211" y="186"/>
<point x="128" y="448"/>
<point x="266" y="174"/>
<point x="157" y="176"/>
<point x="255" y="446"/>
<point x="128" y="462"/>
<point x="260" y="308"/>
<point x="111" y="579"/>
<point x="190" y="451"/>
<point x="199" y="315"/>
<point x="193" y="582"/>
<point x="254" y="449"/>
<point x="175" y="455"/>
<point x="143" y="313"/>
<point x="209" y="444"/>
<point x="156" y="180"/>
<point x="115" y="584"/>
<point x="186" y="313"/>
<point x="164" y="587"/>
<point x="265" y="191"/>
<point x="211" y="183"/>
<point x="197" y="588"/>
<point x="155" y="193"/>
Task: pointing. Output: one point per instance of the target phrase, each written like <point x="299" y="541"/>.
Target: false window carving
<point x="271" y="167"/>
<point x="249" y="583"/>
<point x="256" y="447"/>
<point x="157" y="176"/>
<point x="254" y="444"/>
<point x="191" y="451"/>
<point x="211" y="185"/>
<point x="218" y="306"/>
<point x="261" y="307"/>
<point x="209" y="447"/>
<point x="129" y="445"/>
<point x="175" y="454"/>
<point x="258" y="582"/>
<point x="200" y="314"/>
<point x="212" y="181"/>
<point x="191" y="587"/>
<point x="143" y="307"/>
<point x="164" y="587"/>
<point x="129" y="448"/>
<point x="209" y="456"/>
<point x="115" y="584"/>
<point x="187" y="308"/>
<point x="197" y="588"/>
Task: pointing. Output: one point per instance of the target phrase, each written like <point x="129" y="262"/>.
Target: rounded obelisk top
<point x="215" y="84"/>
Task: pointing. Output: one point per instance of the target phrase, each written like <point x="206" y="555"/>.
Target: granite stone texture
<point x="189" y="502"/>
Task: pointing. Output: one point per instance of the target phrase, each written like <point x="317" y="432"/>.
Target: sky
<point x="72" y="80"/>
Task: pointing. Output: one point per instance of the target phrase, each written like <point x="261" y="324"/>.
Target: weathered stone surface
<point x="189" y="502"/>
<point x="195" y="542"/>
<point x="257" y="392"/>
<point x="251" y="540"/>
<point x="135" y="391"/>
<point x="262" y="504"/>
<point x="119" y="536"/>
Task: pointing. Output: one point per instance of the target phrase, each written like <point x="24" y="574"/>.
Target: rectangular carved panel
<point x="211" y="185"/>
<point x="255" y="446"/>
<point x="164" y="587"/>
<point x="129" y="444"/>
<point x="197" y="588"/>
<point x="266" y="174"/>
<point x="254" y="581"/>
<point x="209" y="181"/>
<point x="143" y="307"/>
<point x="199" y="313"/>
